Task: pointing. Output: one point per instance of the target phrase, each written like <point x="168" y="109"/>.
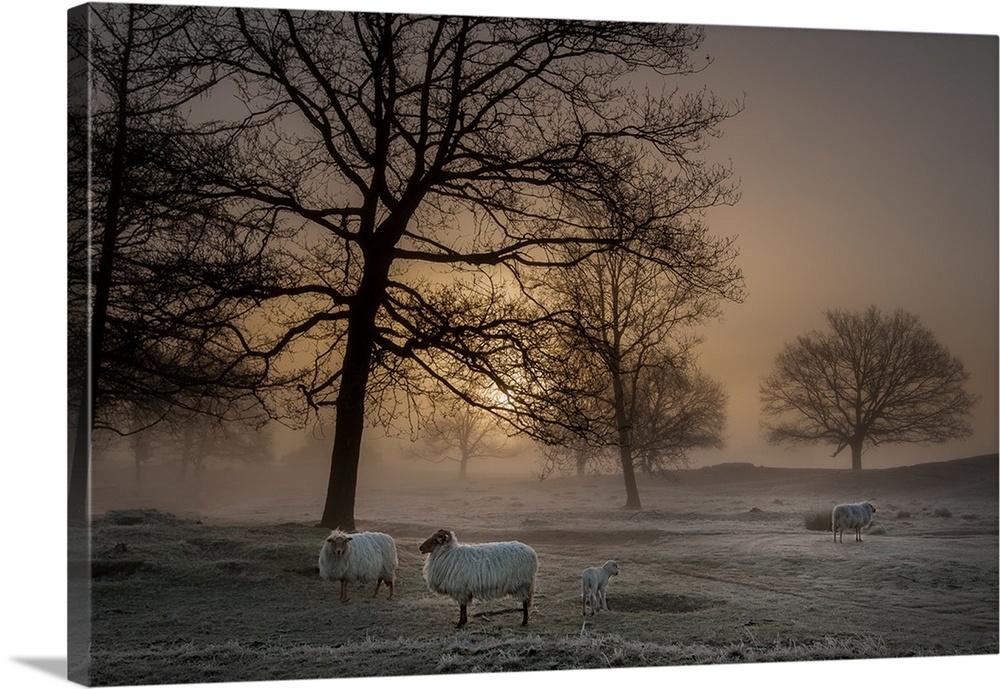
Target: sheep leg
<point x="524" y="620"/>
<point x="858" y="530"/>
<point x="343" y="589"/>
<point x="462" y="615"/>
<point x="391" y="589"/>
<point x="378" y="585"/>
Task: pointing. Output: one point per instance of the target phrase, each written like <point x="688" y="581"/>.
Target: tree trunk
<point x="856" y="447"/>
<point x="632" y="501"/>
<point x="338" y="511"/>
<point x="78" y="506"/>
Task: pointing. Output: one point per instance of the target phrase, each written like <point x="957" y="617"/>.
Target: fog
<point x="294" y="473"/>
<point x="292" y="479"/>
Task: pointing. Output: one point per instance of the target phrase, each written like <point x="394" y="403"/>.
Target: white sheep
<point x="482" y="571"/>
<point x="366" y="556"/>
<point x="853" y="516"/>
<point x="594" y="586"/>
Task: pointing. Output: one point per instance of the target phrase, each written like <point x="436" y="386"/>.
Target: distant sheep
<point x="853" y="516"/>
<point x="366" y="556"/>
<point x="482" y="571"/>
<point x="594" y="586"/>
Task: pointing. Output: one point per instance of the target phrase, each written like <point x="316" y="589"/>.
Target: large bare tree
<point x="425" y="162"/>
<point x="872" y="378"/>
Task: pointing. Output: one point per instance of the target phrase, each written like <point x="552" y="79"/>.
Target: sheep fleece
<point x="482" y="571"/>
<point x="370" y="556"/>
<point x="852" y="516"/>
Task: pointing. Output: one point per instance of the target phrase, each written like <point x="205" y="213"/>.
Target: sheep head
<point x="440" y="537"/>
<point x="339" y="540"/>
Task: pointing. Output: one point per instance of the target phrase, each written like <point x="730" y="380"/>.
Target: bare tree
<point x="459" y="432"/>
<point x="630" y="321"/>
<point x="872" y="378"/>
<point x="146" y="335"/>
<point x="424" y="163"/>
<point x="678" y="409"/>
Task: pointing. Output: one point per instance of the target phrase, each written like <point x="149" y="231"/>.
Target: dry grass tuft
<point x="818" y="521"/>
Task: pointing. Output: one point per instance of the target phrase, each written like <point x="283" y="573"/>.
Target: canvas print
<point x="407" y="344"/>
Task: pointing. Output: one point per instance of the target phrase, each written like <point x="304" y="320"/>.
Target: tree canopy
<point x="872" y="378"/>
<point x="391" y="179"/>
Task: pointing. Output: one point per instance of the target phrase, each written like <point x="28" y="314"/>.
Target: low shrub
<point x="818" y="521"/>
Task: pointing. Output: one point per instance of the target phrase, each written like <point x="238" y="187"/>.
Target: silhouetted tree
<point x="675" y="411"/>
<point x="146" y="335"/>
<point x="678" y="409"/>
<point x="872" y="378"/>
<point x="425" y="163"/>
<point x="459" y="432"/>
<point x="629" y="332"/>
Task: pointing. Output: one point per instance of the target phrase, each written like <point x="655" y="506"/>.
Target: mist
<point x="291" y="479"/>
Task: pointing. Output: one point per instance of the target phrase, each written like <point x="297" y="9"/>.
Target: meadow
<point x="724" y="564"/>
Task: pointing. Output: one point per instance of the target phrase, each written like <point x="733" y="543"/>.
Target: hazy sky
<point x="868" y="168"/>
<point x="867" y="163"/>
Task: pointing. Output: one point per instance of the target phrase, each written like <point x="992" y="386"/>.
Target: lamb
<point x="482" y="571"/>
<point x="595" y="586"/>
<point x="854" y="516"/>
<point x="365" y="556"/>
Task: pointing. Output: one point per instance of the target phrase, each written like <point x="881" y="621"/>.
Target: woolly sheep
<point x="594" y="586"/>
<point x="853" y="516"/>
<point x="365" y="556"/>
<point x="482" y="571"/>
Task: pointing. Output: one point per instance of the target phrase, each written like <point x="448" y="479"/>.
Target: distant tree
<point x="190" y="442"/>
<point x="872" y="378"/>
<point x="459" y="432"/>
<point x="675" y="411"/>
<point x="630" y="339"/>
<point x="678" y="409"/>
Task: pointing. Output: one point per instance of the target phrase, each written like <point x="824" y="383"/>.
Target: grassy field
<point x="724" y="565"/>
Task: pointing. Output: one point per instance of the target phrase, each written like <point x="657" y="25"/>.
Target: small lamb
<point x="595" y="586"/>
